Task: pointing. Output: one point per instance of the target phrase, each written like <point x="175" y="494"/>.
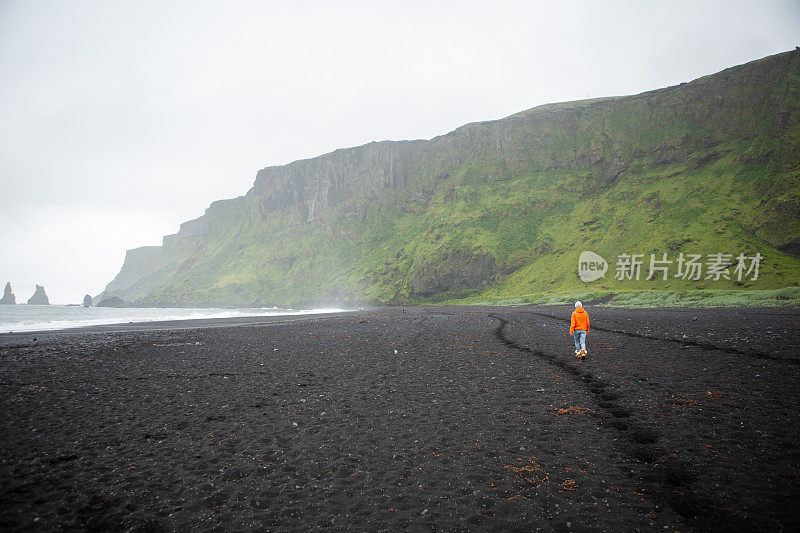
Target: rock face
<point x="113" y="301"/>
<point x="87" y="301"/>
<point x="132" y="283"/>
<point x="8" y="296"/>
<point x="504" y="206"/>
<point x="455" y="273"/>
<point x="39" y="297"/>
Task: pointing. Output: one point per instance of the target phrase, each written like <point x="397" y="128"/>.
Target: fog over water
<point x="122" y="119"/>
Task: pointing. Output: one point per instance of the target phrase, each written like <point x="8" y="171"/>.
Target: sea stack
<point x="39" y="297"/>
<point x="87" y="301"/>
<point x="8" y="296"/>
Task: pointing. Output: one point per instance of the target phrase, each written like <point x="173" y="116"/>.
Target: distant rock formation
<point x="39" y="297"/>
<point x="113" y="301"/>
<point x="8" y="296"/>
<point x="87" y="301"/>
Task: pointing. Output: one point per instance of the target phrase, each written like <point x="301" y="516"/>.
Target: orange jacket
<point x="580" y="320"/>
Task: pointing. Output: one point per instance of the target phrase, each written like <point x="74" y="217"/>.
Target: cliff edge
<point x="505" y="207"/>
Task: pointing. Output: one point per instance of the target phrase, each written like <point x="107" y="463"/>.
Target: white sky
<point x="121" y="119"/>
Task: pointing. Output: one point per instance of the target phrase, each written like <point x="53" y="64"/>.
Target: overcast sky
<point x="121" y="119"/>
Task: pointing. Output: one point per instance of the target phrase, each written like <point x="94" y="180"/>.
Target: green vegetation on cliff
<point x="501" y="210"/>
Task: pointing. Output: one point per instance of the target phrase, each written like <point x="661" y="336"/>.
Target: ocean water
<point x="16" y="318"/>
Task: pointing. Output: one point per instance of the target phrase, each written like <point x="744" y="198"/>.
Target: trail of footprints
<point x="671" y="480"/>
<point x="688" y="342"/>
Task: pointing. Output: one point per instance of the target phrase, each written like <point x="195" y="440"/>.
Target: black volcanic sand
<point x="428" y="418"/>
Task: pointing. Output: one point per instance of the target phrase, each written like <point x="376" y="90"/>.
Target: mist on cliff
<point x="123" y="119"/>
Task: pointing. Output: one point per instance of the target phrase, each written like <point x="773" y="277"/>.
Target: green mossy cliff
<point x="504" y="208"/>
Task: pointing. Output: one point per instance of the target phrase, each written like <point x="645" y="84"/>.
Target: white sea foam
<point x="19" y="318"/>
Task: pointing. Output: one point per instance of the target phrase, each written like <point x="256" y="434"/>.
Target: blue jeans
<point x="579" y="335"/>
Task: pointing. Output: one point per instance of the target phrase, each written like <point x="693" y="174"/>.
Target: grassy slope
<point x="544" y="228"/>
<point x="735" y="196"/>
<point x="584" y="177"/>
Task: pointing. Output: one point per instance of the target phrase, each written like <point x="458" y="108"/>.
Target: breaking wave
<point x="21" y="318"/>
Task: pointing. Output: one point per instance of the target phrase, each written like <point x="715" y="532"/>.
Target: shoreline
<point x="202" y="323"/>
<point x="167" y="325"/>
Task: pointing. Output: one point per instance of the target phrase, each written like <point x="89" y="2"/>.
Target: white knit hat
<point x="578" y="304"/>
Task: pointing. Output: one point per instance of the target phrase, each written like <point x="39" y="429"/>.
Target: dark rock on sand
<point x="87" y="301"/>
<point x="8" y="296"/>
<point x="39" y="297"/>
<point x="113" y="301"/>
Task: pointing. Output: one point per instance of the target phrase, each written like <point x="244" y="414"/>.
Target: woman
<point x="578" y="329"/>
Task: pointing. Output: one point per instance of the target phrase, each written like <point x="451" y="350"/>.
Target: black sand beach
<point x="448" y="419"/>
